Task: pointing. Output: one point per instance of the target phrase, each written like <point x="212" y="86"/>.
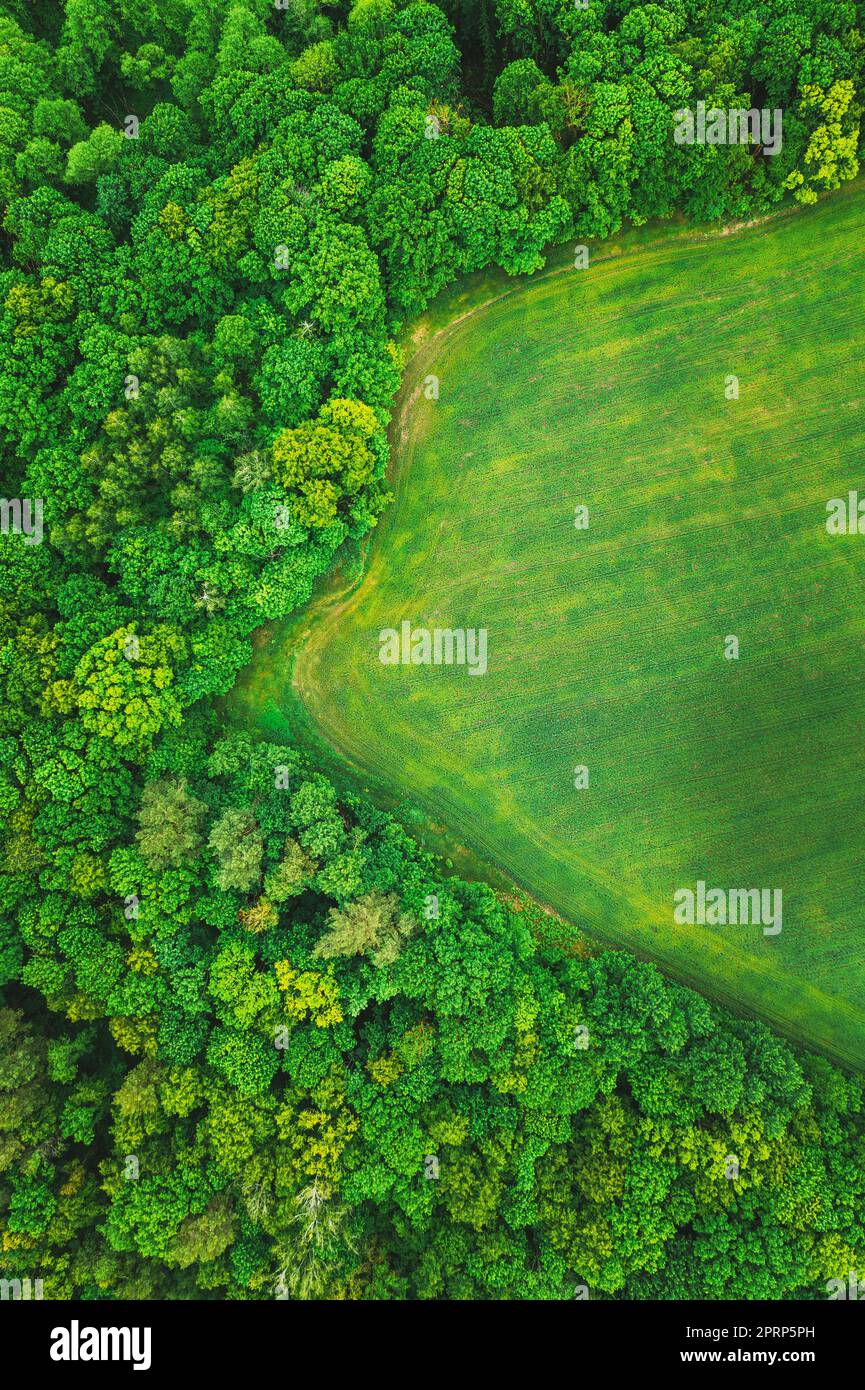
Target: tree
<point x="237" y="841"/>
<point x="321" y="462"/>
<point x="123" y="686"/>
<point x="292" y="874"/>
<point x="830" y="158"/>
<point x="371" y="926"/>
<point x="169" y="822"/>
<point x="98" y="154"/>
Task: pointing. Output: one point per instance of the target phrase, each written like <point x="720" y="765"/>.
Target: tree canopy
<point x="253" y="1040"/>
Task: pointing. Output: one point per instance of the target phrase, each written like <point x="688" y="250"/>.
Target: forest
<point x="254" y="1041"/>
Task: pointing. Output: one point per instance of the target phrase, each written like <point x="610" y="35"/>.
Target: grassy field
<point x="606" y="388"/>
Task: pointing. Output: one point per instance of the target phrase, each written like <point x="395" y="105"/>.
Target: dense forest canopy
<point x="253" y="1041"/>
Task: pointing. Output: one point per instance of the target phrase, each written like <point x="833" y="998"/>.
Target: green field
<point x="606" y="387"/>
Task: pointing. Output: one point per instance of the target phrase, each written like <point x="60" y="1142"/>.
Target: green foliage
<point x="372" y="926"/>
<point x="169" y="820"/>
<point x="237" y="841"/>
<point x="123" y="685"/>
<point x="198" y="358"/>
<point x="447" y="1110"/>
<point x="94" y="156"/>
